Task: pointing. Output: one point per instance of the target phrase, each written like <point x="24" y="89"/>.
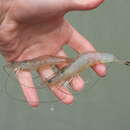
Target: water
<point x="14" y="92"/>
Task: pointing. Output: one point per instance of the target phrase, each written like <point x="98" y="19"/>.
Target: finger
<point x="29" y="90"/>
<point x="62" y="53"/>
<point x="85" y="4"/>
<point x="82" y="45"/>
<point x="60" y="92"/>
<point x="77" y="82"/>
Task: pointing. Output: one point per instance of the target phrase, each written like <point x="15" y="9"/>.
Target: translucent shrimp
<point x="40" y="62"/>
<point x="64" y="75"/>
<point x="35" y="64"/>
<point x="83" y="62"/>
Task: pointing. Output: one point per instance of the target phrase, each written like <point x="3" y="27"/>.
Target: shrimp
<point x="76" y="66"/>
<point x="40" y="62"/>
<point x="83" y="62"/>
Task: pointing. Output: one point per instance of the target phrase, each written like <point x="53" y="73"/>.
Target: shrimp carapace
<point x="39" y="62"/>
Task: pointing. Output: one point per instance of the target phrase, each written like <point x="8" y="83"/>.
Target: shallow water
<point x="104" y="107"/>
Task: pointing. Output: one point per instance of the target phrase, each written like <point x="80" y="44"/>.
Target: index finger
<point x="82" y="45"/>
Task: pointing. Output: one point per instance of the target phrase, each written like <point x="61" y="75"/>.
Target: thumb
<point x="85" y="4"/>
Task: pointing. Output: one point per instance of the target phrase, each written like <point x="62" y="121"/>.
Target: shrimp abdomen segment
<point x="81" y="63"/>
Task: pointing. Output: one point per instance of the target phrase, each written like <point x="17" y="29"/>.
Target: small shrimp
<point x="40" y="62"/>
<point x="83" y="62"/>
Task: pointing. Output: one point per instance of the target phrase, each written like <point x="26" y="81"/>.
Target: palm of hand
<point x="26" y="21"/>
<point x="38" y="28"/>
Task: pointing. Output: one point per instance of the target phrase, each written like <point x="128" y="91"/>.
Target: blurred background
<point x="105" y="106"/>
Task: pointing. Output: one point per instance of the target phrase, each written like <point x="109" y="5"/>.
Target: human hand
<point x="31" y="28"/>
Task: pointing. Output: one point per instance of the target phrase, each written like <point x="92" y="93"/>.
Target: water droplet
<point x="87" y="82"/>
<point x="52" y="108"/>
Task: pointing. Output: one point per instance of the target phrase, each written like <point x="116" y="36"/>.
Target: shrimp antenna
<point x="4" y="68"/>
<point x="123" y="62"/>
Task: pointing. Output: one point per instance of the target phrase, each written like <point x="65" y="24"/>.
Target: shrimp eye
<point x="63" y="69"/>
<point x="49" y="81"/>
